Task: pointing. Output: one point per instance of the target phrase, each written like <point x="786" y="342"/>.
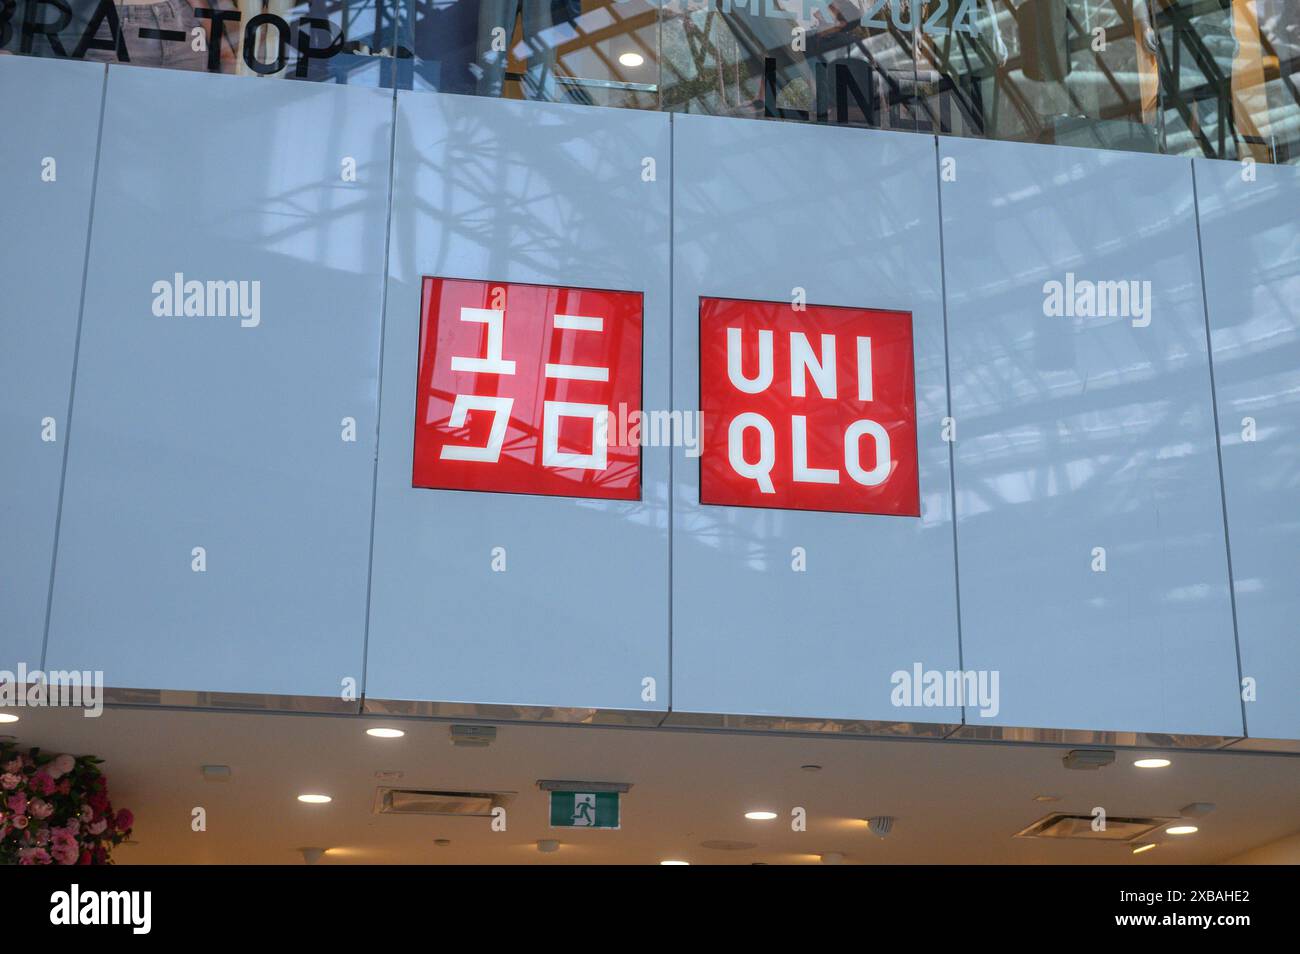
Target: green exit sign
<point x="584" y="810"/>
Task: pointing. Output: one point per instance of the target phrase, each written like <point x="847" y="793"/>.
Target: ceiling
<point x="953" y="802"/>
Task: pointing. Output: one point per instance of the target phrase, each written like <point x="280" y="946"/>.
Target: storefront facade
<point x="367" y="395"/>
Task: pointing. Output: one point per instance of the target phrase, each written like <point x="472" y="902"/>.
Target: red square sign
<point x="807" y="409"/>
<point x="520" y="386"/>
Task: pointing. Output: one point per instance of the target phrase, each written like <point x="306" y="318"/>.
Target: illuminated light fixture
<point x="385" y="733"/>
<point x="1138" y="849"/>
<point x="671" y="861"/>
<point x="760" y="816"/>
<point x="1182" y="830"/>
<point x="631" y="59"/>
<point x="1152" y="763"/>
<point x="7" y="717"/>
<point x="314" y="799"/>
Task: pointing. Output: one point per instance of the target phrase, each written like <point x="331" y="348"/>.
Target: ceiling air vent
<point x="403" y="801"/>
<point x="1079" y="827"/>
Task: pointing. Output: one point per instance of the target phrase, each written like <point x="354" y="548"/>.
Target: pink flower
<point x="12" y="766"/>
<point x="97" y="827"/>
<point x="61" y="765"/>
<point x="33" y="856"/>
<point x="20" y="822"/>
<point x="42" y="784"/>
<point x="41" y="808"/>
<point x="125" y="820"/>
<point x="64" y="849"/>
<point x="9" y="781"/>
<point x="17" y="803"/>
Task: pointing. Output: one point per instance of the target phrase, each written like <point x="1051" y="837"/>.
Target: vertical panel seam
<point x="672" y="393"/>
<point x="379" y="391"/>
<point x="76" y="356"/>
<point x="1218" y="443"/>
<point x="947" y="383"/>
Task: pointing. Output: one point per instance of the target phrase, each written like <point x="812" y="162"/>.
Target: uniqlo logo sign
<point x="518" y="385"/>
<point x="811" y="409"/>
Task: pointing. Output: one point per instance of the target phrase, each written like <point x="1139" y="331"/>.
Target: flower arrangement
<point x="54" y="809"/>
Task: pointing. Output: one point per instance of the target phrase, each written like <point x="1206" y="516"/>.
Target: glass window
<point x="829" y="61"/>
<point x="1229" y="72"/>
<point x="1218" y="78"/>
<point x="340" y="42"/>
<point x="594" y="52"/>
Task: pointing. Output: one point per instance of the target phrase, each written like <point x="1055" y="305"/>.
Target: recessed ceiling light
<point x="1138" y="849"/>
<point x="631" y="59"/>
<point x="760" y="816"/>
<point x="811" y="768"/>
<point x="1047" y="798"/>
<point x="1152" y="763"/>
<point x="380" y="733"/>
<point x="1182" y="830"/>
<point x="6" y="717"/>
<point x="314" y="799"/>
<point x="671" y="861"/>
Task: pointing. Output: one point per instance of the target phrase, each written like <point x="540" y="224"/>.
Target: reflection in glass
<point x="1218" y="78"/>
<point x="316" y="40"/>
<point x="594" y="52"/>
<point x="1228" y="71"/>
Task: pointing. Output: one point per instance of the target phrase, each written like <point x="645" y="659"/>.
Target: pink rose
<point x="9" y="781"/>
<point x="64" y="848"/>
<point x="20" y="822"/>
<point x="33" y="856"/>
<point x="42" y="784"/>
<point x="125" y="820"/>
<point x="17" y="803"/>
<point x="97" y="827"/>
<point x="61" y="765"/>
<point x="13" y="765"/>
<point x="41" y="808"/>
